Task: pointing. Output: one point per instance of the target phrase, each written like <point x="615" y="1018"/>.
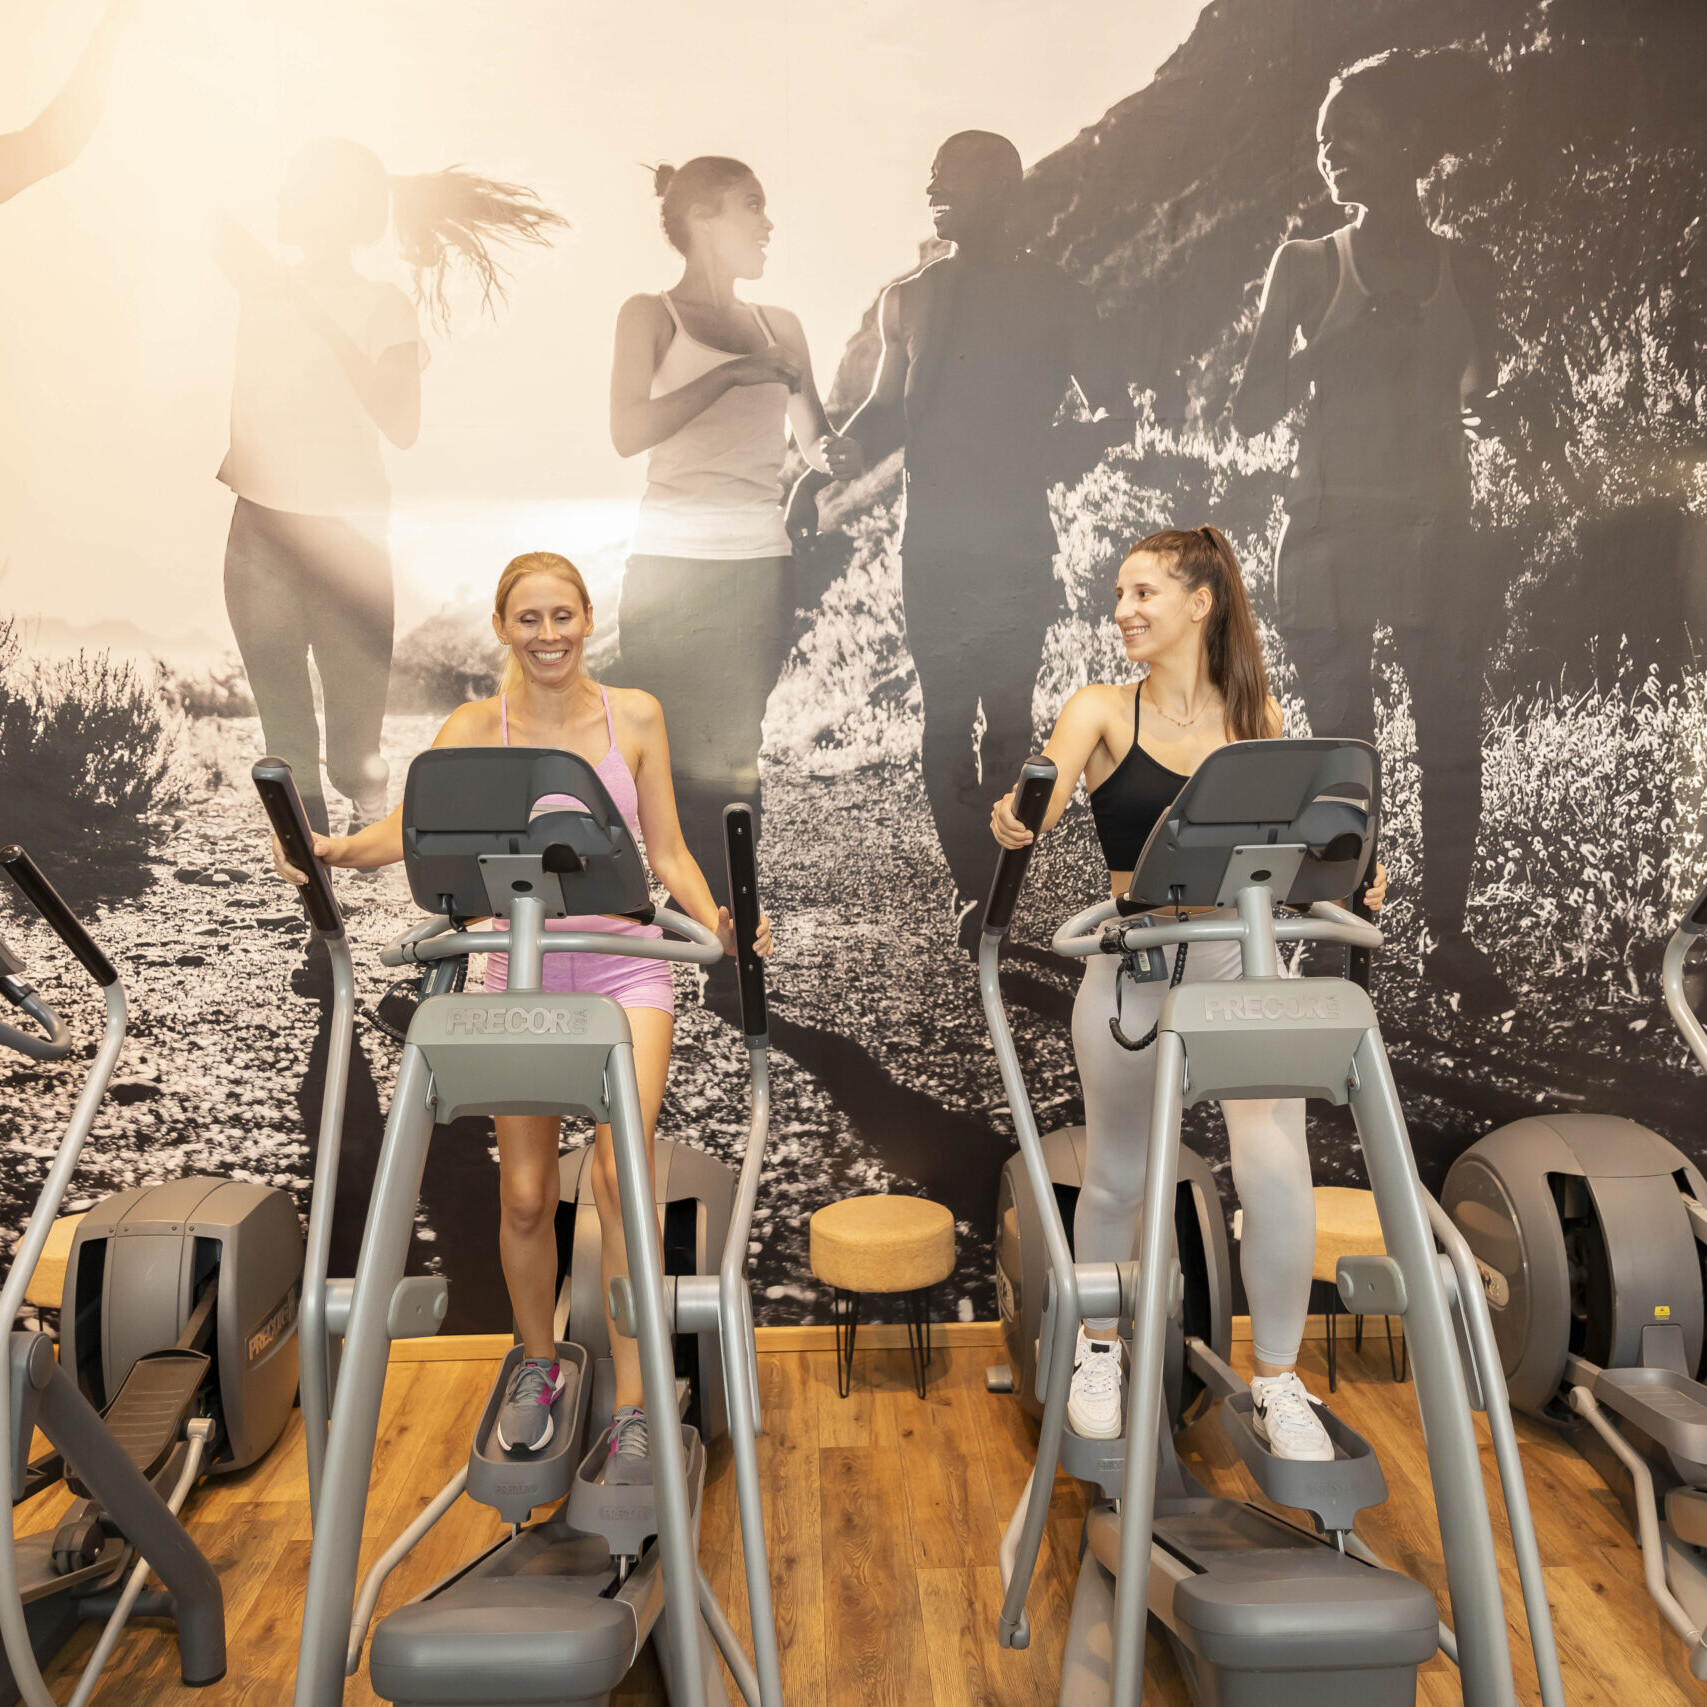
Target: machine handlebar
<point x="1091" y="932"/>
<point x="1037" y="778"/>
<point x="276" y="785"/>
<point x="741" y="857"/>
<point x="438" y="939"/>
<point x="42" y="895"/>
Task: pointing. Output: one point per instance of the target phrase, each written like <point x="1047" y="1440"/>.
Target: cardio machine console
<point x="1298" y="816"/>
<point x="474" y="833"/>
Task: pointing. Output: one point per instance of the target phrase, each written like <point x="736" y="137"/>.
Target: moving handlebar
<point x="1036" y="784"/>
<point x="42" y="895"/>
<point x="744" y="909"/>
<point x="277" y="787"/>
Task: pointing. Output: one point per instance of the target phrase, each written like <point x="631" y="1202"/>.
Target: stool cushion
<point x="882" y="1244"/>
<point x="1346" y="1226"/>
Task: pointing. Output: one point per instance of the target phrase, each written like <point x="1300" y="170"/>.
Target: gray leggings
<point x="1271" y="1163"/>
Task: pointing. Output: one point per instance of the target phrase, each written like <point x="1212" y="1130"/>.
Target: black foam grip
<point x="277" y="788"/>
<point x="1036" y="783"/>
<point x="740" y="850"/>
<point x="42" y="895"/>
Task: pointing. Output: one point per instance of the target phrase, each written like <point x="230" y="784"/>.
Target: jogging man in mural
<point x="1384" y="333"/>
<point x="979" y="350"/>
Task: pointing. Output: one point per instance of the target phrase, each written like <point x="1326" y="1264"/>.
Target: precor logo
<point x="515" y="1022"/>
<point x="1290" y="1004"/>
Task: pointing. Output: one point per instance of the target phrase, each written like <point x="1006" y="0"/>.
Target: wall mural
<point x="1405" y="296"/>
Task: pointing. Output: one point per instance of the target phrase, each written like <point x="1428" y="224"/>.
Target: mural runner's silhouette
<point x="1382" y="335"/>
<point x="979" y="351"/>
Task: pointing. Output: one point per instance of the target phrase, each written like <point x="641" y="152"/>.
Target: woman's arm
<point x="1077" y="732"/>
<point x="57" y="134"/>
<point x="381" y="843"/>
<point x="638" y="420"/>
<point x="666" y="849"/>
<point x="824" y="448"/>
<point x="1276" y="375"/>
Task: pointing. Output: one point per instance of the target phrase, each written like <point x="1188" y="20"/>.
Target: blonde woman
<point x="543" y="616"/>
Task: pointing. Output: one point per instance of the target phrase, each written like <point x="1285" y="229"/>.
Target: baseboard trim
<point x="877" y="1336"/>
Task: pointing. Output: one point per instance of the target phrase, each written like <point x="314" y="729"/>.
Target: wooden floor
<point x="884" y="1514"/>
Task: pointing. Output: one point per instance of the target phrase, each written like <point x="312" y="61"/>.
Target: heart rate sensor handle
<point x="277" y="788"/>
<point x="741" y="854"/>
<point x="1037" y="778"/>
<point x="42" y="895"/>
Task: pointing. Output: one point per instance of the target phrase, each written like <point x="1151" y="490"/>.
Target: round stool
<point x="1348" y="1226"/>
<point x="882" y="1244"/>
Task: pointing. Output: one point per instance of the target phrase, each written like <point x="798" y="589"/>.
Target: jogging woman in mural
<point x="544" y="618"/>
<point x="709" y="386"/>
<point x="327" y="361"/>
<point x="1181" y="607"/>
<point x="1383" y="334"/>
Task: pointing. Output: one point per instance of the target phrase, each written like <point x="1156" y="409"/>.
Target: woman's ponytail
<point x="456" y="216"/>
<point x="1201" y="557"/>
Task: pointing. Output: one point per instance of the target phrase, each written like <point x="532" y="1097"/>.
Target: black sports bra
<point x="1129" y="802"/>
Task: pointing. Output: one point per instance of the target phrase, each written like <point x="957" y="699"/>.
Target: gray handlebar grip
<point x="1037" y="779"/>
<point x="276" y="785"/>
<point x="42" y="895"/>
<point x="741" y="854"/>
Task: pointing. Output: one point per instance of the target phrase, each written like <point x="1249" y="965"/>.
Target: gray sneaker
<point x="524" y="1420"/>
<point x="630" y="1461"/>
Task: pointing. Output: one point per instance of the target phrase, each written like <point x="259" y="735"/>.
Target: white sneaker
<point x="1093" y="1401"/>
<point x="1284" y="1417"/>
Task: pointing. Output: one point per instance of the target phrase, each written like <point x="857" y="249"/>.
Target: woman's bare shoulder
<point x="636" y="709"/>
<point x="473" y="724"/>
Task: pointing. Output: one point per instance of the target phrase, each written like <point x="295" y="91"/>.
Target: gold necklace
<point x="1174" y="720"/>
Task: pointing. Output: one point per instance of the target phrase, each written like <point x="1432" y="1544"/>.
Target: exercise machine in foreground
<point x="177" y="1359"/>
<point x="558" y="1611"/>
<point x="1590" y="1233"/>
<point x="1256" y="1609"/>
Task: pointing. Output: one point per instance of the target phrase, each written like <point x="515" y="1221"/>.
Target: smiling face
<point x="1361" y="161"/>
<point x="1156" y="612"/>
<point x="971" y="190"/>
<point x="546" y="627"/>
<point x="734" y="232"/>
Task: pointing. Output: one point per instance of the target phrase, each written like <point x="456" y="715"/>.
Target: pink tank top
<point x="612" y="770"/>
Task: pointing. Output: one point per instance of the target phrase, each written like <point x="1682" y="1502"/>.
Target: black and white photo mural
<point x="845" y="351"/>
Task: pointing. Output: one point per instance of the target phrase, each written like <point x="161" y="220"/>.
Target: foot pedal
<point x="625" y="1517"/>
<point x="515" y="1483"/>
<point x="1099" y="1461"/>
<point x="999" y="1378"/>
<point x="1333" y="1494"/>
<point x="145" y="1416"/>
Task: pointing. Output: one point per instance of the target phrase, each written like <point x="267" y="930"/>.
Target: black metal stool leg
<point x="845" y="1313"/>
<point x="1401" y="1362"/>
<point x="1333" y="1363"/>
<point x="919" y="1334"/>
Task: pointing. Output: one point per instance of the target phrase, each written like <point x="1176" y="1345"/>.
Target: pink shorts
<point x="630" y="983"/>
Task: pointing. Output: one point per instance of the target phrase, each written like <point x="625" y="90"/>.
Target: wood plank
<point x="883" y="1557"/>
<point x="874" y="1631"/>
